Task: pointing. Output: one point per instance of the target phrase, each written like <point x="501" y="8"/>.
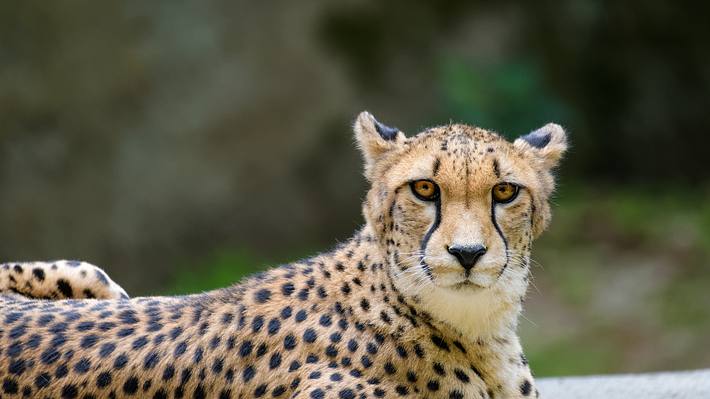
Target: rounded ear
<point x="548" y="144"/>
<point x="375" y="139"/>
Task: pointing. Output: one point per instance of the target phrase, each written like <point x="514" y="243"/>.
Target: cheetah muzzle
<point x="422" y="301"/>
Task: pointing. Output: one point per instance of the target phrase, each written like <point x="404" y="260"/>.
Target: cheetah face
<point x="456" y="207"/>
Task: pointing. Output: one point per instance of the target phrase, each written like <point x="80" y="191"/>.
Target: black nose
<point x="467" y="255"/>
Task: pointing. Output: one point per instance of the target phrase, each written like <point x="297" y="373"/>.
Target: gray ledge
<point x="666" y="385"/>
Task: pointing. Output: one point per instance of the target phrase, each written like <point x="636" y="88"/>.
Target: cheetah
<point x="421" y="302"/>
<point x="61" y="279"/>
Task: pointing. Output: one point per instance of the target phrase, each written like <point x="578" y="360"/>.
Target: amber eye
<point x="505" y="192"/>
<point x="425" y="190"/>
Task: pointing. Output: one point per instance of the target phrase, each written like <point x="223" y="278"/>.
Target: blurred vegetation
<point x="183" y="145"/>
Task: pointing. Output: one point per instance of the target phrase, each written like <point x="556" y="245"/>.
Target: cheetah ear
<point x="547" y="143"/>
<point x="375" y="139"/>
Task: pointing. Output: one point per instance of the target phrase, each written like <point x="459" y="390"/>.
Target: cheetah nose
<point x="467" y="255"/>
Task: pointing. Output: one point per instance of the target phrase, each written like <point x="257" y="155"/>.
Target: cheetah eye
<point x="425" y="190"/>
<point x="505" y="192"/>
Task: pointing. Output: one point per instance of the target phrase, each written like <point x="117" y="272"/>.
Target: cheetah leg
<point x="58" y="280"/>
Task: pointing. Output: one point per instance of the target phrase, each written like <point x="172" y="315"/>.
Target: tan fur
<point x="386" y="314"/>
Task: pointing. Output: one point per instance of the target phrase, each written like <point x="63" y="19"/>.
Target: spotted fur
<point x="61" y="279"/>
<point x="387" y="314"/>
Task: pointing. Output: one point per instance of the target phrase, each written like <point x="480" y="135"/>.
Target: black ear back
<point x="386" y="132"/>
<point x="538" y="138"/>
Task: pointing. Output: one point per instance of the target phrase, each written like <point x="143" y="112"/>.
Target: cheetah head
<point x="455" y="209"/>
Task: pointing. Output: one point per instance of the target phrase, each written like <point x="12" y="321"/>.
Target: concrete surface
<point x="667" y="385"/>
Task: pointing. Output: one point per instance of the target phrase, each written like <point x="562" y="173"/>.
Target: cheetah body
<point x="382" y="315"/>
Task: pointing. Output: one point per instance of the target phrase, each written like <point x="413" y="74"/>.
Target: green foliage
<point x="475" y="93"/>
<point x="224" y="268"/>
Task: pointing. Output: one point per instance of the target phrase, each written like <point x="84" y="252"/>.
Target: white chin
<point x="473" y="282"/>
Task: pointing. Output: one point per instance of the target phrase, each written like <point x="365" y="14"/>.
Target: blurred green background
<point x="183" y="145"/>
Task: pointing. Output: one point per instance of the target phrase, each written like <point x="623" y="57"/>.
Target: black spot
<point x="496" y="168"/>
<point x="16" y="367"/>
<point x="438" y="341"/>
<point x="287" y="289"/>
<point x="65" y="288"/>
<point x="168" y="373"/>
<point x="257" y="323"/>
<point x="411" y="376"/>
<point x="418" y="351"/>
<point x="455" y="394"/>
<point x="301" y="315"/>
<point x="331" y="351"/>
<point x="103" y="380"/>
<point x="289" y="342"/>
<point x="275" y="360"/>
<point x="346" y="394"/>
<point x="261" y="350"/>
<point x="295" y="365"/>
<point x="139" y="343"/>
<point x="372" y="348"/>
<point x="128" y="317"/>
<point x="43" y="380"/>
<point x="199" y="392"/>
<point x="525" y="388"/>
<point x="38" y="273"/>
<point x="401" y="390"/>
<point x="180" y="349"/>
<point x="335" y="337"/>
<point x="325" y="320"/>
<point x="262" y="295"/>
<point x="151" y="360"/>
<point x="274" y="326"/>
<point x="217" y="366"/>
<point x="260" y="391"/>
<point x="317" y="394"/>
<point x="389" y="368"/>
<point x="130" y="386"/>
<point x="245" y="349"/>
<point x="278" y="391"/>
<point x="49" y="356"/>
<point x="106" y="349"/>
<point x="61" y="371"/>
<point x="352" y="345"/>
<point x="439" y="369"/>
<point x="461" y="375"/>
<point x="18" y="331"/>
<point x="69" y="391"/>
<point x="309" y="335"/>
<point x="460" y="347"/>
<point x="120" y="362"/>
<point x="198" y="355"/>
<point x="82" y="366"/>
